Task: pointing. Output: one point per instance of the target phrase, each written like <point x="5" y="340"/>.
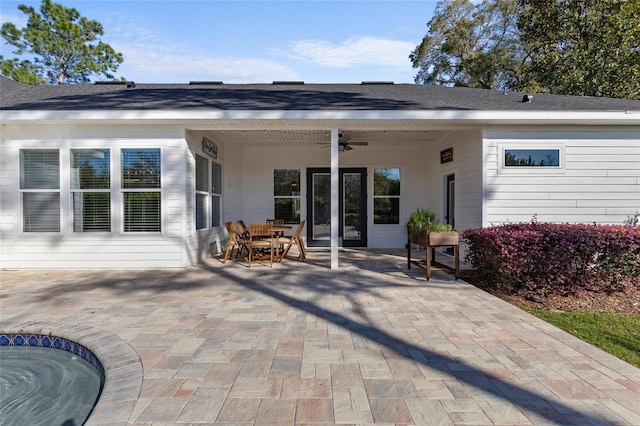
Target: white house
<point x="124" y="175"/>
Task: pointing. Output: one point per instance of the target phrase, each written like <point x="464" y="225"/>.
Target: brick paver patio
<point x="372" y="343"/>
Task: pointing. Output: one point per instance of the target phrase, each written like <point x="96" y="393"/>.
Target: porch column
<point x="335" y="198"/>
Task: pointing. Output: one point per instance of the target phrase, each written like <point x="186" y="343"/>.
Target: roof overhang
<point x="364" y="120"/>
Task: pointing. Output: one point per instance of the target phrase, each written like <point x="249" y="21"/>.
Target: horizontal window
<point x="532" y="157"/>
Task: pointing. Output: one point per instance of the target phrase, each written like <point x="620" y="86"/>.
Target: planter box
<point x="446" y="238"/>
<point x="436" y="239"/>
<point x="429" y="240"/>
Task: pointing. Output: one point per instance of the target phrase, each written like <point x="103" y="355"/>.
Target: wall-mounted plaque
<point x="446" y="156"/>
<point x="210" y="148"/>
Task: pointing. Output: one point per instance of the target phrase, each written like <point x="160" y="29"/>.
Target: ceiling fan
<point x="345" y="145"/>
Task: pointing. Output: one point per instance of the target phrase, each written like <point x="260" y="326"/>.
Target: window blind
<point x="201" y="209"/>
<point x="202" y="173"/>
<point x="215" y="210"/>
<point x="41" y="211"/>
<point x="91" y="212"/>
<point x="142" y="212"/>
<point x="216" y="178"/>
<point x="141" y="168"/>
<point x="39" y="169"/>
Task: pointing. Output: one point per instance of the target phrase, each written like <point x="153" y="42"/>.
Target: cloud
<point x="16" y="17"/>
<point x="354" y="52"/>
<point x="150" y="58"/>
<point x="155" y="66"/>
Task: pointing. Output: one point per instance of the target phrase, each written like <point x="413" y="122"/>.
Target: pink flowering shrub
<point x="538" y="259"/>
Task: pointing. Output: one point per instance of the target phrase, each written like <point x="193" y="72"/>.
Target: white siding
<point x="599" y="182"/>
<point x="91" y="250"/>
<point x="202" y="243"/>
<point x="467" y="167"/>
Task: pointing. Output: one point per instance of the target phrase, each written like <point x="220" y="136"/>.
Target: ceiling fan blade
<point x="358" y="143"/>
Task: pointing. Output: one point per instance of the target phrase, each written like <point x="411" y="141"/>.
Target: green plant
<point x="617" y="334"/>
<point x="422" y="220"/>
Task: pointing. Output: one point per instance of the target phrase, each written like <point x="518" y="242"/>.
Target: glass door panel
<point x="353" y="218"/>
<point x="321" y="212"/>
<point x="352" y="206"/>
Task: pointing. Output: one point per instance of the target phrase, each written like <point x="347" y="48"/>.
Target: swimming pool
<point x="46" y="384"/>
<point x="88" y="349"/>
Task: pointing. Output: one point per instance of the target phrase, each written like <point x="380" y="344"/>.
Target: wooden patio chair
<point x="293" y="240"/>
<point x="235" y="241"/>
<point x="260" y="242"/>
<point x="276" y="221"/>
<point x="244" y="230"/>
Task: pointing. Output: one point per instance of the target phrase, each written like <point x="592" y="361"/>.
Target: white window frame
<point x="531" y="170"/>
<point x="215" y="194"/>
<point x="124" y="190"/>
<point x="73" y="191"/>
<point x="24" y="191"/>
<point x="373" y="191"/>
<point x="296" y="198"/>
<point x="204" y="193"/>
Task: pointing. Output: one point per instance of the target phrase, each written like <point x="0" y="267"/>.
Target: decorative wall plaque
<point x="446" y="156"/>
<point x="210" y="148"/>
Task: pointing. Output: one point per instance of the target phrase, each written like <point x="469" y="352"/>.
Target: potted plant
<point x="424" y="230"/>
<point x="423" y="227"/>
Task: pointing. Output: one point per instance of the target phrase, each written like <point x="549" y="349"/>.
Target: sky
<point x="242" y="41"/>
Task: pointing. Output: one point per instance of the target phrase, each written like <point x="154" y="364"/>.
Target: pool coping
<point x="122" y="366"/>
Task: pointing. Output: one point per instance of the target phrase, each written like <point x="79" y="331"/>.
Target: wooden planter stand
<point x="431" y="240"/>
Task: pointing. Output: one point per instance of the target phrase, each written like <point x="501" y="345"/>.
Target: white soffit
<point x="365" y="120"/>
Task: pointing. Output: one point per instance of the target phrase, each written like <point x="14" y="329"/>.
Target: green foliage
<point x="471" y="46"/>
<point x="21" y="71"/>
<point x="582" y="47"/>
<point x="65" y="46"/>
<point x="565" y="47"/>
<point x="616" y="334"/>
<point x="422" y="220"/>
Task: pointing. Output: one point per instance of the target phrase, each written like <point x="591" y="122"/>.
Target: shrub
<point x="538" y="259"/>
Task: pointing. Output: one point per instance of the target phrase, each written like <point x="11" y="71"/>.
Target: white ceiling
<point x="298" y="138"/>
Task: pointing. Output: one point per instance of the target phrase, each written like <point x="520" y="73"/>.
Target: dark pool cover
<point x="46" y="386"/>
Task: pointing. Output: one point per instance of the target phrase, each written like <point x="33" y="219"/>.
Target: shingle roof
<point x="302" y="97"/>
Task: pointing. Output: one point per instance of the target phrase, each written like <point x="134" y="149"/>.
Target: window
<point x="202" y="191"/>
<point x="532" y="158"/>
<point x="386" y="196"/>
<point x="90" y="190"/>
<point x="141" y="190"/>
<point x="286" y="193"/>
<point x="40" y="190"/>
<point x="216" y="193"/>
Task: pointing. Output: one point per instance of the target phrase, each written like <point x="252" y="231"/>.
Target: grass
<point x="617" y="334"/>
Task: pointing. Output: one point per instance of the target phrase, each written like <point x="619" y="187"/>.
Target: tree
<point x="469" y="45"/>
<point x="22" y="71"/>
<point x="64" y="45"/>
<point x="582" y="47"/>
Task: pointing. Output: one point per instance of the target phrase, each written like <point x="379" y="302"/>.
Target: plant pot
<point x="443" y="238"/>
